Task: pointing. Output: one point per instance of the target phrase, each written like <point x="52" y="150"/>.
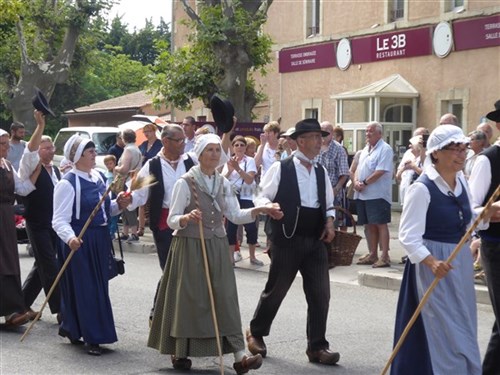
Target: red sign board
<point x="306" y="58"/>
<point x="395" y="45"/>
<point x="477" y="33"/>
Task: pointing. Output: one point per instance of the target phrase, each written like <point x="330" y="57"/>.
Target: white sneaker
<point x="256" y="262"/>
<point x="237" y="256"/>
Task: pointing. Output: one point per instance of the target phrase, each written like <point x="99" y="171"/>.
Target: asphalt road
<point x="360" y="327"/>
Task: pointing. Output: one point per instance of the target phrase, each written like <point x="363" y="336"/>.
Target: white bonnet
<point x="204" y="140"/>
<point x="3" y="132"/>
<point x="74" y="147"/>
<point x="443" y="135"/>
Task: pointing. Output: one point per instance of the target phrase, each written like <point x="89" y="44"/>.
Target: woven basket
<point x="341" y="250"/>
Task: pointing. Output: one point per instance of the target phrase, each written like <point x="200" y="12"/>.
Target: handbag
<point x="116" y="266"/>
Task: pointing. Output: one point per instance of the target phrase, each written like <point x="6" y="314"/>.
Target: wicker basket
<point x="341" y="250"/>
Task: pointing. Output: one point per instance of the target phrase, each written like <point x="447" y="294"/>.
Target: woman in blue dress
<point x="435" y="216"/>
<point x="85" y="306"/>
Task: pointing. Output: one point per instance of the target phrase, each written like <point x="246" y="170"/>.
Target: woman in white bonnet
<point x="182" y="324"/>
<point x="85" y="306"/>
<point x="435" y="216"/>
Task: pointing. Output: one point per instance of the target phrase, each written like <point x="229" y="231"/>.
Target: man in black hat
<point x="484" y="179"/>
<point x="303" y="190"/>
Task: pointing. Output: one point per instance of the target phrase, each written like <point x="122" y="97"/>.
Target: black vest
<point x="157" y="191"/>
<point x="39" y="203"/>
<point x="310" y="221"/>
<point x="493" y="155"/>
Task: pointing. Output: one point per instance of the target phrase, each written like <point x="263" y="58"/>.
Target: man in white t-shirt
<point x="373" y="191"/>
<point x="16" y="144"/>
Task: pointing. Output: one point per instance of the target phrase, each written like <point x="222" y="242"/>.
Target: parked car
<point x="103" y="137"/>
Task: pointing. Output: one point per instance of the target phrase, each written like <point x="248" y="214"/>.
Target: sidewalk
<point x="382" y="278"/>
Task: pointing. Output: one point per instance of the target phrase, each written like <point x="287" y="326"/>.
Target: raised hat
<point x="40" y="103"/>
<point x="307" y="126"/>
<point x="495" y="115"/>
<point x="223" y="112"/>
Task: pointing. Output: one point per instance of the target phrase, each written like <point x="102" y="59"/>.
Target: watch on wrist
<point x="364" y="182"/>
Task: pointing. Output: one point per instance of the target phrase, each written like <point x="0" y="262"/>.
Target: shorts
<point x="373" y="211"/>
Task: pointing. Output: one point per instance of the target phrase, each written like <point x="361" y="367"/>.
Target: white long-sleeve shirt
<point x="181" y="198"/>
<point x="64" y="196"/>
<point x="307" y="182"/>
<point x="414" y="215"/>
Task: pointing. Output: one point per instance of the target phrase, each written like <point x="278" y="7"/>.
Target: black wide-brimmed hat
<point x="495" y="115"/>
<point x="223" y="113"/>
<point x="40" y="103"/>
<point x="307" y="126"/>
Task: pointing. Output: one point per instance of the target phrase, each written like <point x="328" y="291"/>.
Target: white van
<point x="103" y="137"/>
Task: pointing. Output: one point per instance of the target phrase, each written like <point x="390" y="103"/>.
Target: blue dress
<point x="85" y="306"/>
<point x="443" y="339"/>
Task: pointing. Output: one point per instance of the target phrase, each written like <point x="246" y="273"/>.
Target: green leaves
<point x="223" y="43"/>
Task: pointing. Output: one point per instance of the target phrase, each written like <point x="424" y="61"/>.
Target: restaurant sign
<point x="306" y="58"/>
<point x="395" y="45"/>
<point x="477" y="33"/>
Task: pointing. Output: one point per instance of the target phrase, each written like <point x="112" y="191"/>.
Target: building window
<point x="312" y="17"/>
<point x="457" y="108"/>
<point x="396" y="10"/>
<point x="354" y="111"/>
<point x="312" y="113"/>
<point x="455" y="5"/>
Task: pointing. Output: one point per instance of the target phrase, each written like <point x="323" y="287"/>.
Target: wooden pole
<point x="427" y="294"/>
<point x="65" y="265"/>
<point x="209" y="282"/>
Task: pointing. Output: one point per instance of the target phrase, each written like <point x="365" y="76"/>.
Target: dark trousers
<point x="162" y="239"/>
<point x="250" y="228"/>
<point x="45" y="269"/>
<point x="490" y="258"/>
<point x="308" y="256"/>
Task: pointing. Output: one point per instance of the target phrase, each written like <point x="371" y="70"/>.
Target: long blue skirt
<point x="85" y="303"/>
<point x="444" y="339"/>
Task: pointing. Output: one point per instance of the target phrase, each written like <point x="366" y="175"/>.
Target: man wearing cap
<point x="484" y="179"/>
<point x="304" y="193"/>
<point x="287" y="144"/>
<point x="17" y="144"/>
<point x="373" y="191"/>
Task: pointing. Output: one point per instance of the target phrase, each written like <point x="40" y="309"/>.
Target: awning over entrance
<point x="394" y="86"/>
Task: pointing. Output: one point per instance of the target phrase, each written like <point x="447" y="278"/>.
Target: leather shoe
<point x="94" y="349"/>
<point x="248" y="363"/>
<point x="32" y="314"/>
<point x="64" y="333"/>
<point x="17" y="319"/>
<point x="323" y="356"/>
<point x="256" y="344"/>
<point x="181" y="363"/>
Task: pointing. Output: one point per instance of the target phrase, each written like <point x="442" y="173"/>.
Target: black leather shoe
<point x="64" y="333"/>
<point x="94" y="349"/>
<point x="248" y="363"/>
<point x="181" y="363"/>
<point x="256" y="344"/>
<point x="323" y="356"/>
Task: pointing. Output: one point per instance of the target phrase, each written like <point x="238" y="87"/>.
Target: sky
<point x="135" y="12"/>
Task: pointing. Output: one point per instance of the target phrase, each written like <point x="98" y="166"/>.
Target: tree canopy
<point x="69" y="50"/>
<point x="226" y="47"/>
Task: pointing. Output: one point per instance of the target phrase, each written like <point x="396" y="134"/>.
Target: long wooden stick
<point x="427" y="294"/>
<point x="209" y="282"/>
<point x="65" y="265"/>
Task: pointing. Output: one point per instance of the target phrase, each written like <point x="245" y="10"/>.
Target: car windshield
<point x="103" y="142"/>
<point x="63" y="137"/>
